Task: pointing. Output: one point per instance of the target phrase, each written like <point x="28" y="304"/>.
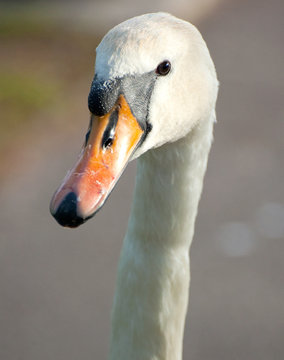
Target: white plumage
<point x="171" y="136"/>
<point x="153" y="276"/>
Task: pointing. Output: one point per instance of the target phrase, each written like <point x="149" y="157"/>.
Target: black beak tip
<point x="66" y="213"/>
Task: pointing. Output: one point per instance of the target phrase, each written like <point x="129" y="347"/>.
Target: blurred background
<point x="56" y="285"/>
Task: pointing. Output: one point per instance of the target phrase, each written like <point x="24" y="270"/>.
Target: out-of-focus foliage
<point x="22" y="95"/>
<point x="41" y="64"/>
<point x="25" y="92"/>
<point x="23" y="24"/>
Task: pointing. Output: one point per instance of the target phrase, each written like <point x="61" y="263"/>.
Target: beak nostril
<point x="109" y="133"/>
<point x="108" y="142"/>
<point x="66" y="214"/>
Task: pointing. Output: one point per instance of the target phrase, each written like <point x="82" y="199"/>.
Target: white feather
<point x="153" y="276"/>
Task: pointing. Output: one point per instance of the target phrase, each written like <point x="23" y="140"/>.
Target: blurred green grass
<point x="23" y="23"/>
<point x="22" y="95"/>
<point x="25" y="91"/>
<point x="43" y="65"/>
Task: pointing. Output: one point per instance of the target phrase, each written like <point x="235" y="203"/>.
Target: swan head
<point x="154" y="82"/>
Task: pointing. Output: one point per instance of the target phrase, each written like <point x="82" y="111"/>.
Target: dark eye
<point x="163" y="68"/>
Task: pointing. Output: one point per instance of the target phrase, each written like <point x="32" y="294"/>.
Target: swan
<point x="153" y="98"/>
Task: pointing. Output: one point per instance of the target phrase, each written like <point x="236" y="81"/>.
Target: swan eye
<point x="163" y="68"/>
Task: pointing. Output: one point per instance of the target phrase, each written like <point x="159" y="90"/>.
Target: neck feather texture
<point x="153" y="276"/>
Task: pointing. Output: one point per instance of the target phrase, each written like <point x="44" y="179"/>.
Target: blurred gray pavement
<point x="101" y="15"/>
<point x="56" y="285"/>
<point x="237" y="294"/>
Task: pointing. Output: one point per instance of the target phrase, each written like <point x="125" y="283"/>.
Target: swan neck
<point x="168" y="186"/>
<point x="153" y="276"/>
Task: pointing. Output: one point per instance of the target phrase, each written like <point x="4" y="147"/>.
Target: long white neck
<point x="153" y="276"/>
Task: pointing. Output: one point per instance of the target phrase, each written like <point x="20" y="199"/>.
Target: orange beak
<point x="110" y="142"/>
